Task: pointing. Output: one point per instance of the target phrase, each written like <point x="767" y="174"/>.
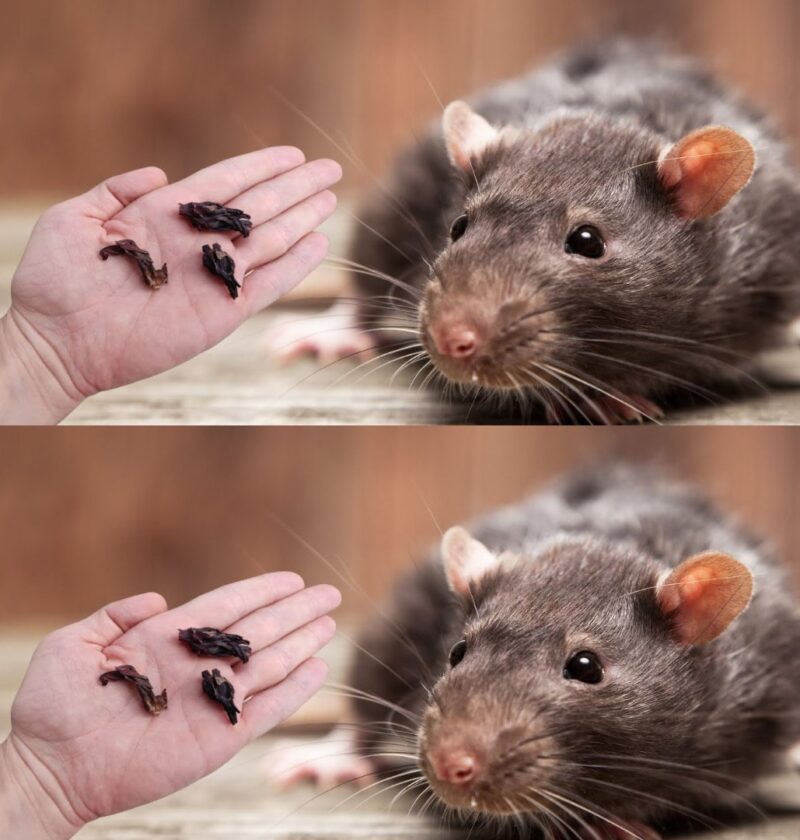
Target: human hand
<point x="78" y="751"/>
<point x="78" y="325"/>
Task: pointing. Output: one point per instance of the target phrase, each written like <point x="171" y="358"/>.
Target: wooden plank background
<point x="89" y="515"/>
<point x="92" y="87"/>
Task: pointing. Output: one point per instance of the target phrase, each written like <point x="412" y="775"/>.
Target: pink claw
<point x="328" y="337"/>
<point x="606" y="410"/>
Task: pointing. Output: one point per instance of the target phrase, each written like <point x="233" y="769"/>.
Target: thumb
<point x="113" y="620"/>
<point x="117" y="192"/>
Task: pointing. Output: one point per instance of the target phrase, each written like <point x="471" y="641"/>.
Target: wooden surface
<point x="93" y="87"/>
<point x="239" y="382"/>
<point x="237" y="803"/>
<point x="88" y="516"/>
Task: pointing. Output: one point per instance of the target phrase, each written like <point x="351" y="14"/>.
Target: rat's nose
<point x="459" y="341"/>
<point x="456" y="767"/>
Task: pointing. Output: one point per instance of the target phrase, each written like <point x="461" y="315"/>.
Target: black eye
<point x="459" y="227"/>
<point x="587" y="241"/>
<point x="584" y="666"/>
<point x="457" y="652"/>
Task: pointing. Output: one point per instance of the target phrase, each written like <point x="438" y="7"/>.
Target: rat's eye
<point x="457" y="652"/>
<point x="584" y="666"/>
<point x="586" y="241"/>
<point x="459" y="227"/>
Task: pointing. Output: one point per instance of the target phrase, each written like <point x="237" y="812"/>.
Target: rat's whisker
<point x="609" y="394"/>
<point x="400" y="208"/>
<point x="595" y="813"/>
<point x="341" y="359"/>
<point x="350" y="581"/>
<point x="393" y="356"/>
<point x="377" y="233"/>
<point x="583" y="397"/>
<point x="401" y="775"/>
<point x="686" y="384"/>
<point x="410" y="355"/>
<point x="560" y="821"/>
<point x="417" y="357"/>
<point x="409" y="788"/>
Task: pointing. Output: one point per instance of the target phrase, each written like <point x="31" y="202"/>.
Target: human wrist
<point x="29" y="806"/>
<point x="31" y="391"/>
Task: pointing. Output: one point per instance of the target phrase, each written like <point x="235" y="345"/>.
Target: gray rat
<point x="600" y="235"/>
<point x="595" y="659"/>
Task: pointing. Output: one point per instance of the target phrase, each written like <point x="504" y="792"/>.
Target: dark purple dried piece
<point x="154" y="277"/>
<point x="208" y="641"/>
<point x="222" y="265"/>
<point x="220" y="691"/>
<point x="154" y="703"/>
<point x="208" y="215"/>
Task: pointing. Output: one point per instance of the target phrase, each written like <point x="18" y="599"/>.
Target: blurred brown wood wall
<point x="92" y="87"/>
<point x="89" y="515"/>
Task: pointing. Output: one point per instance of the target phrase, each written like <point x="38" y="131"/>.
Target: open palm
<point x="101" y="326"/>
<point x="99" y="748"/>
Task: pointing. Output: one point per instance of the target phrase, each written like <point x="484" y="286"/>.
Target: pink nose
<point x="457" y="767"/>
<point x="459" y="341"/>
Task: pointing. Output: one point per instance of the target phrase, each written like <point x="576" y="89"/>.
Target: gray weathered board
<point x="237" y="803"/>
<point x="239" y="383"/>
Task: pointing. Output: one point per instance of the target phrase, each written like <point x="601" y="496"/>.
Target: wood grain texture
<point x="90" y="88"/>
<point x="90" y="515"/>
<point x="237" y="803"/>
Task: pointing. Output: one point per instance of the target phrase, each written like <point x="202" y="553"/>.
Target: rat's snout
<point x="456" y="765"/>
<point x="457" y="339"/>
<point x="488" y="336"/>
<point x="482" y="761"/>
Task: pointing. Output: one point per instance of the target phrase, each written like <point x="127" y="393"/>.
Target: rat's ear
<point x="704" y="595"/>
<point x="466" y="134"/>
<point x="465" y="560"/>
<point x="706" y="169"/>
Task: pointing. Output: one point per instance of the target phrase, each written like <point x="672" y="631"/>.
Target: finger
<point x="232" y="602"/>
<point x="114" y="620"/>
<point x="114" y="194"/>
<point x="266" y="284"/>
<point x="224" y="181"/>
<point x="274" y="238"/>
<point x="272" y="197"/>
<point x="268" y="708"/>
<point x="273" y="665"/>
<point x="265" y="626"/>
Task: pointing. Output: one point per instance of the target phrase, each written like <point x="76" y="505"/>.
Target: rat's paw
<point x="793" y="758"/>
<point x="615" y="410"/>
<point x="623" y="830"/>
<point x="326" y="763"/>
<point x="328" y="337"/>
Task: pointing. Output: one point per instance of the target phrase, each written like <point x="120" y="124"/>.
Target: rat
<point x="592" y="661"/>
<point x="598" y="236"/>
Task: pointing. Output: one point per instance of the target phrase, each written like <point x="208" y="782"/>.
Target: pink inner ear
<point x="466" y="560"/>
<point x="695" y="160"/>
<point x="704" y="595"/>
<point x="706" y="170"/>
<point x="692" y="589"/>
<point x="466" y="134"/>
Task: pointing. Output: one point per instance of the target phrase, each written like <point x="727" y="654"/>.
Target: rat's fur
<point x="675" y="305"/>
<point x="673" y="728"/>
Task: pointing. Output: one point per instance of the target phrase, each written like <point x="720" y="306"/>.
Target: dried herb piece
<point x="220" y="691"/>
<point x="154" y="703"/>
<point x="222" y="265"/>
<point x="208" y="215"/>
<point x="154" y="277"/>
<point x="207" y="641"/>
